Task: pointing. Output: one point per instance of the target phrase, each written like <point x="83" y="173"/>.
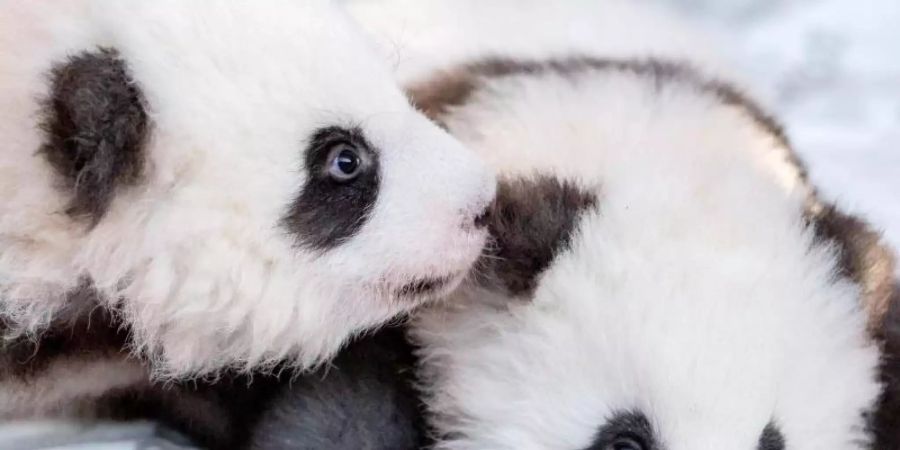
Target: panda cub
<point x="210" y="185"/>
<point x="662" y="275"/>
<point x="652" y="283"/>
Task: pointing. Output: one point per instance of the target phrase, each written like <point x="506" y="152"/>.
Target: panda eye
<point x="626" y="442"/>
<point x="344" y="162"/>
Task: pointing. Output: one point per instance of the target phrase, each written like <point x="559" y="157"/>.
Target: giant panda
<point x="651" y="285"/>
<point x="662" y="274"/>
<point x="606" y="313"/>
<point x="193" y="188"/>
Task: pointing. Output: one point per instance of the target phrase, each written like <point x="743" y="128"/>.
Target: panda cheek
<point x="95" y="128"/>
<point x="326" y="212"/>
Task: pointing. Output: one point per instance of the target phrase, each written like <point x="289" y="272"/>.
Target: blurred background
<point x="830" y="70"/>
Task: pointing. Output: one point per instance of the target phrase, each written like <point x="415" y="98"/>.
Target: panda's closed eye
<point x="625" y="431"/>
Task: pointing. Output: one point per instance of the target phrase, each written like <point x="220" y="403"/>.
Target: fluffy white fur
<point x="423" y="37"/>
<point x="694" y="294"/>
<point x="194" y="257"/>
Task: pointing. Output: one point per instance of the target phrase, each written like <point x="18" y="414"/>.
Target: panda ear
<point x="864" y="258"/>
<point x="531" y="221"/>
<point x="95" y="128"/>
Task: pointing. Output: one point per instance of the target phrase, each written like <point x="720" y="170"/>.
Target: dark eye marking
<point x="95" y="127"/>
<point x="341" y="188"/>
<point x="625" y="431"/>
<point x="530" y="222"/>
<point x="771" y="438"/>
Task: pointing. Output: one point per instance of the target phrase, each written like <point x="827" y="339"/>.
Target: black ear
<point x="530" y="222"/>
<point x="95" y="126"/>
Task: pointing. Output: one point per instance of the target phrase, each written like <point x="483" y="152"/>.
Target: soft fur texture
<point x="694" y="295"/>
<point x="428" y="41"/>
<point x="709" y="300"/>
<point x="153" y="151"/>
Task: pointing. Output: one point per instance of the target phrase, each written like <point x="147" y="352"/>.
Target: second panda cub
<point x="653" y="284"/>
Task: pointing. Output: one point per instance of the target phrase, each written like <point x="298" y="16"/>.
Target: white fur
<point x="422" y="37"/>
<point x="693" y="294"/>
<point x="194" y="256"/>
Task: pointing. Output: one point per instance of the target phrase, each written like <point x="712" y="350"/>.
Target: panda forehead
<point x="257" y="65"/>
<point x="219" y="79"/>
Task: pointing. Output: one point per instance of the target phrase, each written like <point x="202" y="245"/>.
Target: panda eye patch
<point x="771" y="438"/>
<point x="340" y="189"/>
<point x="626" y="442"/>
<point x="625" y="431"/>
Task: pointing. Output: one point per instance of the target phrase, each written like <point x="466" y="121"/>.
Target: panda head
<point x="242" y="183"/>
<point x="651" y="285"/>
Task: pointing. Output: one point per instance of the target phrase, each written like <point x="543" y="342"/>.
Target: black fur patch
<point x="363" y="400"/>
<point x="863" y="257"/>
<point x="626" y="428"/>
<point x="214" y="415"/>
<point x="865" y="260"/>
<point x="884" y="420"/>
<point x="96" y="127"/>
<point x="531" y="221"/>
<point x="83" y="330"/>
<point x="329" y="212"/>
<point x="771" y="438"/>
